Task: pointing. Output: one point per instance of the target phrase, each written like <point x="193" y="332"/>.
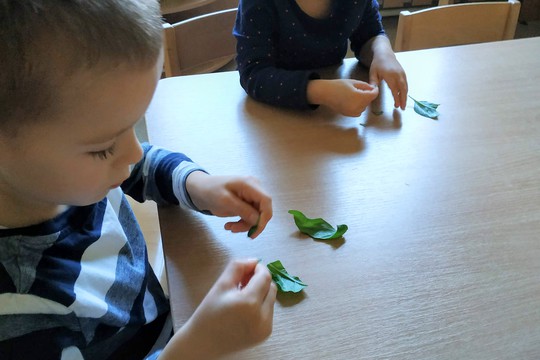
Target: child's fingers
<point x="245" y="210"/>
<point x="237" y="226"/>
<point x="403" y="93"/>
<point x="259" y="285"/>
<point x="397" y="93"/>
<point x="236" y="271"/>
<point x="264" y="218"/>
<point x="360" y="85"/>
<point x="374" y="79"/>
<point x="267" y="307"/>
<point x="257" y="206"/>
<point x="399" y="89"/>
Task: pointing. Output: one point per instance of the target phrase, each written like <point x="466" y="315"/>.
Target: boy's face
<point x="75" y="156"/>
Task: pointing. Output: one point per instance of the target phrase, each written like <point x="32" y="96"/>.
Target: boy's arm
<point x="172" y="178"/>
<point x="237" y="313"/>
<point x="161" y="176"/>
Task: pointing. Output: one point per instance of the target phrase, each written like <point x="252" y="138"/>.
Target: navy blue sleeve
<point x="161" y="176"/>
<point x="369" y="27"/>
<point x="256" y="30"/>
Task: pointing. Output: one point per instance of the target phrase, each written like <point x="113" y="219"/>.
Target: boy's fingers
<point x="264" y="218"/>
<point x="260" y="283"/>
<point x="246" y="211"/>
<point x="237" y="270"/>
<point x="269" y="301"/>
<point x="237" y="226"/>
<point x="254" y="208"/>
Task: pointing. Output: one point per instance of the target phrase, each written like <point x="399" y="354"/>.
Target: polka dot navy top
<point x="279" y="45"/>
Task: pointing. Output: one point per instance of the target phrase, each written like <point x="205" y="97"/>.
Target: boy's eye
<point x="103" y="154"/>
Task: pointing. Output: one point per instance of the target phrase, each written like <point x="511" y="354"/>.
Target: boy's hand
<point x="231" y="196"/>
<point x="237" y="313"/>
<point x="345" y="96"/>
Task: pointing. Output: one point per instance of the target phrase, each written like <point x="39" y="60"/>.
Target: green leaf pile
<point x="317" y="228"/>
<point x="284" y="281"/>
<point x="425" y="108"/>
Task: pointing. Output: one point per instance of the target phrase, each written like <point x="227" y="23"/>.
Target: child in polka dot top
<point x="281" y="42"/>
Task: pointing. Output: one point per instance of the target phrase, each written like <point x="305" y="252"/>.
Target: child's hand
<point x="385" y="66"/>
<point x="232" y="196"/>
<point x="345" y="96"/>
<point x="237" y="313"/>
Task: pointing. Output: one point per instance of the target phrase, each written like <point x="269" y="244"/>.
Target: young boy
<point x="75" y="282"/>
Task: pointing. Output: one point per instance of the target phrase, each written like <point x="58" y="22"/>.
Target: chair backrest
<point x="172" y="6"/>
<point x="201" y="44"/>
<point x="178" y="10"/>
<point x="457" y="24"/>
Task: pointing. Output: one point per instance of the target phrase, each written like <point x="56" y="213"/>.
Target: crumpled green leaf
<point x="317" y="228"/>
<point x="426" y="108"/>
<point x="284" y="281"/>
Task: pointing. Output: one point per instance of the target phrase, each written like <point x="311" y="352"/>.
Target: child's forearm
<point x="185" y="345"/>
<point x="377" y="46"/>
<point x="317" y="91"/>
<point x="193" y="187"/>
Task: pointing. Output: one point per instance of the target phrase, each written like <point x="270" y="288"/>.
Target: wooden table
<point x="442" y="256"/>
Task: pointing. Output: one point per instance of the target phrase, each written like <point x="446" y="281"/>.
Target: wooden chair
<point x="177" y="10"/>
<point x="201" y="44"/>
<point x="458" y="24"/>
<point x="172" y="6"/>
<point x="147" y="218"/>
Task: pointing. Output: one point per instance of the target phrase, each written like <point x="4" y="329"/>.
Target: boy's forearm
<point x="193" y="187"/>
<point x="185" y="345"/>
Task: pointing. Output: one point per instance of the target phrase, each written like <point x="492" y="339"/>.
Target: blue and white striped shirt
<point x="80" y="286"/>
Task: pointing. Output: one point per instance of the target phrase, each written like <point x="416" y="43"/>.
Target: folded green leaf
<point x="253" y="228"/>
<point x="284" y="281"/>
<point x="317" y="228"/>
<point x="425" y="108"/>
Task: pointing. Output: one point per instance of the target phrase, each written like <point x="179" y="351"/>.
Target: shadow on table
<point x="334" y="243"/>
<point x="288" y="299"/>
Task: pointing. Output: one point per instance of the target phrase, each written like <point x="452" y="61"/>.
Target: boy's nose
<point x="133" y="151"/>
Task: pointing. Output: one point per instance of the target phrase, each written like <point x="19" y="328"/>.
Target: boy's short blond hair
<point x="43" y="42"/>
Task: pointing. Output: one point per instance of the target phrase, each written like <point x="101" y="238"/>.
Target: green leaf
<point x="317" y="228"/>
<point x="253" y="228"/>
<point x="425" y="108"/>
<point x="284" y="281"/>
